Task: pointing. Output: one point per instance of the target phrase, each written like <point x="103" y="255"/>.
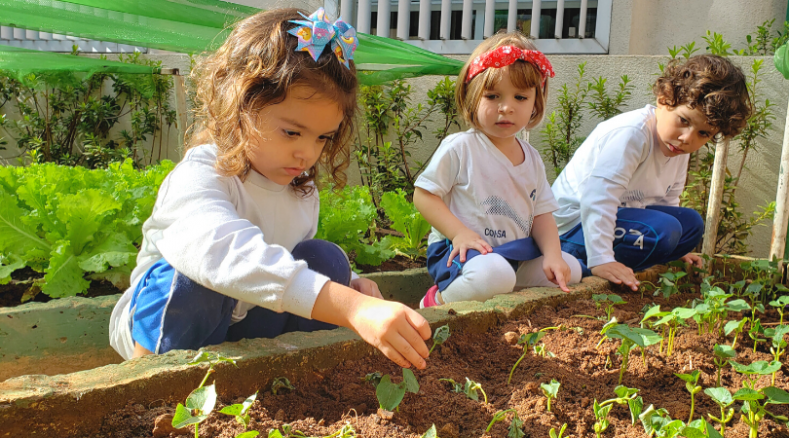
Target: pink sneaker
<point x="430" y="298"/>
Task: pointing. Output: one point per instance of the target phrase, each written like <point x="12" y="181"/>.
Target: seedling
<point x="528" y="340"/>
<point x="780" y="305"/>
<point x="779" y="344"/>
<point x="440" y="336"/>
<point x="552" y="433"/>
<point x="723" y="398"/>
<point x="516" y="425"/>
<point x="691" y="384"/>
<point x="753" y="410"/>
<point x="722" y="355"/>
<point x="755" y="333"/>
<point x="470" y="388"/>
<point x="201" y="402"/>
<point x="630" y="337"/>
<point x="669" y="283"/>
<point x="610" y="300"/>
<point x="626" y="396"/>
<point x="658" y="421"/>
<point x="672" y="320"/>
<point x="736" y="327"/>
<point x="373" y="378"/>
<point x="550" y="390"/>
<point x="281" y="383"/>
<point x="390" y="394"/>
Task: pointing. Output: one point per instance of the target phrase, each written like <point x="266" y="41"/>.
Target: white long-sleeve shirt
<point x="620" y="164"/>
<point x="230" y="236"/>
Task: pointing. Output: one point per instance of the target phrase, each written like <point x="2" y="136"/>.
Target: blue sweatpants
<point x="645" y="237"/>
<point x="170" y="311"/>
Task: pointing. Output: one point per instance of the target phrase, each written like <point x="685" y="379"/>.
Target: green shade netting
<point x="191" y="26"/>
<point x="20" y="62"/>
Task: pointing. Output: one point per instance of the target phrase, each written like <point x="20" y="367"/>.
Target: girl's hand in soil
<point x="693" y="260"/>
<point x="617" y="273"/>
<point x="465" y="240"/>
<point x="398" y="331"/>
<point x="557" y="271"/>
<point x="367" y="287"/>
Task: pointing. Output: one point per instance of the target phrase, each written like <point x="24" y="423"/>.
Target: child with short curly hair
<point x="619" y="194"/>
<point x="228" y="252"/>
<point x="485" y="192"/>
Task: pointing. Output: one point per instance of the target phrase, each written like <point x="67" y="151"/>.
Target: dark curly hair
<point x="256" y="67"/>
<point x="712" y="84"/>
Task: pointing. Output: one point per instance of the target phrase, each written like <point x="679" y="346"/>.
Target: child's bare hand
<point x="617" y="273"/>
<point x="557" y="271"/>
<point x="693" y="260"/>
<point x="367" y="287"/>
<point x="398" y="331"/>
<point x="464" y="241"/>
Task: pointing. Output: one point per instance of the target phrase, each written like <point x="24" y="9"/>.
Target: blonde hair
<point x="522" y="74"/>
<point x="256" y="67"/>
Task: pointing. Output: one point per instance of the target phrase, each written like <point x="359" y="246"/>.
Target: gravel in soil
<point x="322" y="407"/>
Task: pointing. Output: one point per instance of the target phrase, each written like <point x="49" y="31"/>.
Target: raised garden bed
<point x="330" y="399"/>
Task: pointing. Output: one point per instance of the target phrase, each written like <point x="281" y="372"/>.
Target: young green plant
<point x="516" y="425"/>
<point x="626" y="396"/>
<point x="470" y="388"/>
<point x="552" y="433"/>
<point x="778" y="348"/>
<point x="691" y="384"/>
<point x="722" y="354"/>
<point x="723" y="398"/>
<point x="440" y="336"/>
<point x="390" y="394"/>
<point x="550" y="390"/>
<point x="609" y="300"/>
<point x="780" y="305"/>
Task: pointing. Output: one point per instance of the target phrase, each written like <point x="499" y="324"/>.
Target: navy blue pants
<point x="645" y="237"/>
<point x="170" y="311"/>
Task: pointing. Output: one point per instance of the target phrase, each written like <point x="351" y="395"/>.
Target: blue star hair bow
<point x="316" y="32"/>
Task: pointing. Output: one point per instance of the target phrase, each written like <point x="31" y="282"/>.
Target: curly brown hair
<point x="712" y="84"/>
<point x="522" y="74"/>
<point x="256" y="67"/>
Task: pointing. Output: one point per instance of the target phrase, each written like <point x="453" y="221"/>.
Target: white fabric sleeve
<point x="621" y="152"/>
<point x="206" y="240"/>
<point x="599" y="204"/>
<point x="672" y="197"/>
<point x="441" y="173"/>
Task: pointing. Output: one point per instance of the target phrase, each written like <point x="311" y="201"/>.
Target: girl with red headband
<point x="485" y="192"/>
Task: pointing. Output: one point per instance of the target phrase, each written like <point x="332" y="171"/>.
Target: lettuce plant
<point x="407" y="220"/>
<point x="75" y="224"/>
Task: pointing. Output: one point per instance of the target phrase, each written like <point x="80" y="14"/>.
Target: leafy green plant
<point x="470" y="388"/>
<point x="281" y="383"/>
<point x="601" y="104"/>
<point x="408" y="221"/>
<point x="201" y="402"/>
<point x="610" y="300"/>
<point x="780" y="305"/>
<point x="74" y="224"/>
<point x="778" y="347"/>
<point x="561" y="129"/>
<point x="625" y="396"/>
<point x="723" y="398"/>
<point x="756" y="332"/>
<point x="516" y="425"/>
<point x="671" y="322"/>
<point x="691" y="384"/>
<point x="736" y="327"/>
<point x="440" y="336"/>
<point x="754" y="409"/>
<point x="550" y="390"/>
<point x="390" y="394"/>
<point x="346" y="218"/>
<point x="722" y="354"/>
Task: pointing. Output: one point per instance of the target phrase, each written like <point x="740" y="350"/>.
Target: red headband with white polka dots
<point x="505" y="55"/>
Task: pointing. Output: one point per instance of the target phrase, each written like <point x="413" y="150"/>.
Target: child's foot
<point x="430" y="298"/>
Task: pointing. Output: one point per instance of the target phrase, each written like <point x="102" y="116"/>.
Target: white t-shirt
<point x="483" y="189"/>
<point x="230" y="236"/>
<point x="620" y="164"/>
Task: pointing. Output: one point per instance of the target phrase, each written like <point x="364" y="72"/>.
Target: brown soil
<point x="399" y="263"/>
<point x="11" y="294"/>
<point x="323" y="407"/>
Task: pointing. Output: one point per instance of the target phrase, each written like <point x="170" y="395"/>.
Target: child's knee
<point x="668" y="236"/>
<point x="326" y="258"/>
<point x="488" y="275"/>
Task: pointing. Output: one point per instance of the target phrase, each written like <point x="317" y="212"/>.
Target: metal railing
<point x="458" y="26"/>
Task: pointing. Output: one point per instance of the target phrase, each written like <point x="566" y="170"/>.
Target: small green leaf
<point x="693" y="377"/>
<point x="411" y="384"/>
<point x="761" y="367"/>
<point x="441" y="334"/>
<point x="635" y="405"/>
<point x="551" y="389"/>
<point x="747" y="394"/>
<point x="250" y="434"/>
<point x="203" y="399"/>
<point x="183" y="417"/>
<point x="724" y="351"/>
<point x="721" y="395"/>
<point x="776" y="395"/>
<point x="431" y="433"/>
<point x="738" y="305"/>
<point x="389" y="395"/>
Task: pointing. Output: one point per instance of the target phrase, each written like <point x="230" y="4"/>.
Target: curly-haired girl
<point x="228" y="251"/>
<point x="619" y="194"/>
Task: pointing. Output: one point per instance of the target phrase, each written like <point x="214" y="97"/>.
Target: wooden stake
<point x="716" y="198"/>
<point x="180" y="108"/>
<point x="781" y="219"/>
